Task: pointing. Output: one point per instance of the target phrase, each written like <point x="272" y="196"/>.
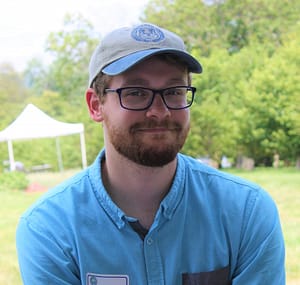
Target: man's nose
<point x="158" y="107"/>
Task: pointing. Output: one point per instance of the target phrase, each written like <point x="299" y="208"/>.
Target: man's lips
<point x="155" y="128"/>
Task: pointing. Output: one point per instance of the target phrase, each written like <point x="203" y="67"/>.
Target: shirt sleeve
<point x="41" y="258"/>
<point x="261" y="253"/>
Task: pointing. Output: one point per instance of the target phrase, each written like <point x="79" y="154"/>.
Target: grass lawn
<point x="13" y="204"/>
<point x="282" y="184"/>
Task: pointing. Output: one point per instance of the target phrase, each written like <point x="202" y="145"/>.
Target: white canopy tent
<point x="33" y="123"/>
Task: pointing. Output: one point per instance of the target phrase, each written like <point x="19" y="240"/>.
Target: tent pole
<point x="12" y="163"/>
<point x="59" y="156"/>
<point x="83" y="150"/>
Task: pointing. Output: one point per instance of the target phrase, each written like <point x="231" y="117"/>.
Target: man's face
<point x="154" y="136"/>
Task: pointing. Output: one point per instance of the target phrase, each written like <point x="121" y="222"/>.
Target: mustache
<point x="150" y="124"/>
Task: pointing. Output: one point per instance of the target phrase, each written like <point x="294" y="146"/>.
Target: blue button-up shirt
<point x="211" y="228"/>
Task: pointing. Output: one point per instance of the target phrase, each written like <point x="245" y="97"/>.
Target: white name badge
<point x="100" y="279"/>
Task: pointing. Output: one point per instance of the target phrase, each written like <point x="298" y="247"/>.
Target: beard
<point x="156" y="151"/>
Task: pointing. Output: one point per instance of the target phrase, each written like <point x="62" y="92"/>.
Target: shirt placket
<point x="153" y="261"/>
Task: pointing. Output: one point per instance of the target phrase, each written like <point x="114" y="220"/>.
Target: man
<point x="142" y="213"/>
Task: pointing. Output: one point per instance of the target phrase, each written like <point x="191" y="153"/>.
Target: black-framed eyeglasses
<point x="140" y="98"/>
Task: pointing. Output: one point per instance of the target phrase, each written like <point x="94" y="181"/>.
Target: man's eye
<point x="175" y="92"/>
<point x="135" y="93"/>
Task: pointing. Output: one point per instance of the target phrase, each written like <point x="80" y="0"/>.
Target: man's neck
<point x="137" y="190"/>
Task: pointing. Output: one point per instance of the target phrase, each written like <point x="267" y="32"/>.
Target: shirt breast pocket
<point x="216" y="277"/>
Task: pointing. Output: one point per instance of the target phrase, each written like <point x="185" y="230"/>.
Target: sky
<point x="26" y="24"/>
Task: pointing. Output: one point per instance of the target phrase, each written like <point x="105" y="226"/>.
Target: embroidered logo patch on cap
<point x="100" y="279"/>
<point x="147" y="33"/>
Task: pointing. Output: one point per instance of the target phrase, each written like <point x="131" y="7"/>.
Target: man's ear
<point x="94" y="105"/>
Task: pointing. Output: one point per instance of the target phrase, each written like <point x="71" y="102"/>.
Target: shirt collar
<point x="167" y="207"/>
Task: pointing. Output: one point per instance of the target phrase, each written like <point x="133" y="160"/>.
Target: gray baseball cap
<point x="125" y="47"/>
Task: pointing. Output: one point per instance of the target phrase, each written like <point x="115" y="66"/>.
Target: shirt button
<point x="149" y="241"/>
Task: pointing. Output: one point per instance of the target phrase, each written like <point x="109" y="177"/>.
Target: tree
<point x="270" y="119"/>
<point x="36" y="77"/>
<point x="230" y="24"/>
<point x="12" y="94"/>
<point x="71" y="49"/>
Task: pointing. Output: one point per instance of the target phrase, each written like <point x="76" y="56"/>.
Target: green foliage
<point x="229" y="24"/>
<point x="71" y="49"/>
<point x="35" y="76"/>
<point x="211" y="131"/>
<point x="270" y="116"/>
<point x="13" y="181"/>
<point x="12" y="94"/>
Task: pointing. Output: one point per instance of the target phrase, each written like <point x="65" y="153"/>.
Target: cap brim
<point x="130" y="60"/>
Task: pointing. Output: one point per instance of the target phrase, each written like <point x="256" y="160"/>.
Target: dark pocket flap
<point x="216" y="277"/>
